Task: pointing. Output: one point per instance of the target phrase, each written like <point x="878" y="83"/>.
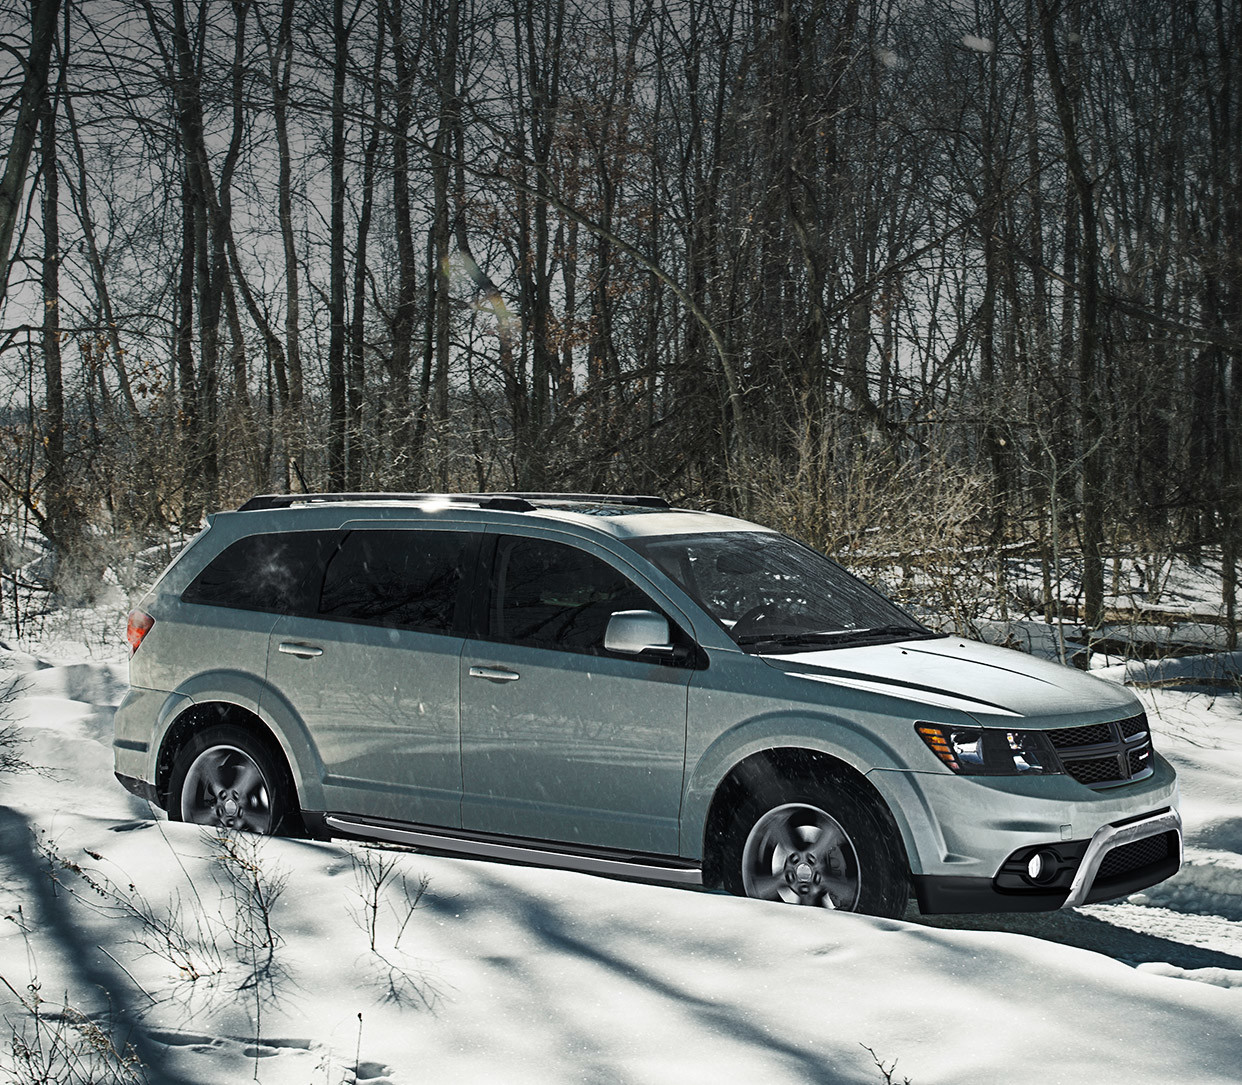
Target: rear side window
<point x="263" y="572"/>
<point x="404" y="579"/>
<point x="549" y="595"/>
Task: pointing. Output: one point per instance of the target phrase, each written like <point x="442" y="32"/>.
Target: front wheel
<point x="226" y="777"/>
<point x="820" y="843"/>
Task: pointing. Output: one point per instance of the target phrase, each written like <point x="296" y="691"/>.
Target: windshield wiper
<point x="838" y="636"/>
<point x="894" y="631"/>
<point x="809" y="636"/>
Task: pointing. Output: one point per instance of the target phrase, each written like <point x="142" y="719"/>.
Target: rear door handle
<point x="302" y="651"/>
<point x="494" y="674"/>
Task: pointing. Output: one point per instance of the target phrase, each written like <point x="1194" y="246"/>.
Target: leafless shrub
<point x="375" y="872"/>
<point x="64" y="1046"/>
<point x="913" y="527"/>
<point x="11" y="739"/>
<point x="886" y="1069"/>
<point x="183" y="931"/>
<point x="176" y="932"/>
<point x="253" y="891"/>
<point x="381" y="888"/>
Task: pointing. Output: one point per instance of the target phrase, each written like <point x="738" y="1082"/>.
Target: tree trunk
<point x="1089" y="378"/>
<point x="355" y="386"/>
<point x="99" y="279"/>
<point x="32" y="95"/>
<point x="59" y="519"/>
<point x="406" y="457"/>
<point x="336" y="259"/>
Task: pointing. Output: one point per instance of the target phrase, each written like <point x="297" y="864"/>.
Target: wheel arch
<point x="858" y="744"/>
<point x="768" y="766"/>
<point x="228" y="696"/>
<point x="202" y="714"/>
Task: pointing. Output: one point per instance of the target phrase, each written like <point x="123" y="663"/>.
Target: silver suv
<point x="609" y="684"/>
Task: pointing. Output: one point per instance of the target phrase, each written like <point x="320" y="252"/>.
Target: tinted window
<point x="407" y="579"/>
<point x="549" y="595"/>
<point x="262" y="572"/>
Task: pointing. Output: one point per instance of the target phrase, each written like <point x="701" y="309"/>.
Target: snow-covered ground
<point x="298" y="962"/>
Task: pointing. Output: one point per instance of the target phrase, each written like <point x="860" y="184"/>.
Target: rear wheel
<point x="227" y="777"/>
<point x="821" y="843"/>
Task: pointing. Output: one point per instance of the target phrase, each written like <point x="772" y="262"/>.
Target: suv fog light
<point x="1041" y="867"/>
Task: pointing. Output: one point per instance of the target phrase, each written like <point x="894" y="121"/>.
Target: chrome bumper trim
<point x="1108" y="837"/>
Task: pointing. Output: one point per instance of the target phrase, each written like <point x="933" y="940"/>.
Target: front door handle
<point x="302" y="651"/>
<point x="494" y="674"/>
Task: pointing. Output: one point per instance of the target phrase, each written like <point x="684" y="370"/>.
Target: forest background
<point x="935" y="285"/>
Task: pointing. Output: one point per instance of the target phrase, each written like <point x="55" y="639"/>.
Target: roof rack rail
<point x="640" y="500"/>
<point x="505" y="502"/>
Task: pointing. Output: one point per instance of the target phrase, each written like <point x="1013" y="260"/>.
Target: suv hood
<point x="965" y="675"/>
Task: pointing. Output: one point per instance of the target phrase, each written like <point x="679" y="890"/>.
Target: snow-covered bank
<point x="1213" y="668"/>
<point x="504" y="973"/>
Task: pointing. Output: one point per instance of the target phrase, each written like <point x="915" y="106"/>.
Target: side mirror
<point x="632" y="632"/>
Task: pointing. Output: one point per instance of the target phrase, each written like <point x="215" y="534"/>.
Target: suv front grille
<point x="1099" y="770"/>
<point x="1105" y="754"/>
<point x="1095" y="735"/>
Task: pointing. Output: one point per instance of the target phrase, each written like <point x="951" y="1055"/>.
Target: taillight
<point x="137" y="627"/>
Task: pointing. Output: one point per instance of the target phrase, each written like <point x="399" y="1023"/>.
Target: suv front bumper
<point x="1116" y="861"/>
<point x="970" y="837"/>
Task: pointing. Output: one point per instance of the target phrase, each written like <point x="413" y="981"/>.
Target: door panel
<point x="581" y="746"/>
<point x="381" y="708"/>
<point x="372" y="670"/>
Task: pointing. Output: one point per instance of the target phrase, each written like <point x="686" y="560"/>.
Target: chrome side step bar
<point x="619" y="866"/>
<point x="1108" y="837"/>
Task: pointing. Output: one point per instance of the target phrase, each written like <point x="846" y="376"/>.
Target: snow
<point x="1214" y="668"/>
<point x="514" y="974"/>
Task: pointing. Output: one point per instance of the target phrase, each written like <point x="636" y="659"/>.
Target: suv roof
<point x="622" y="515"/>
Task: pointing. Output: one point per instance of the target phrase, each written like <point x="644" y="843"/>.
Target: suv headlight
<point x="990" y="751"/>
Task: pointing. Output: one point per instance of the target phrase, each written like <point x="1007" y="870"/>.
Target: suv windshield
<point x="772" y="594"/>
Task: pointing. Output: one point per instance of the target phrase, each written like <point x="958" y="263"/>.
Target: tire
<point x="817" y="841"/>
<point x="229" y="778"/>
